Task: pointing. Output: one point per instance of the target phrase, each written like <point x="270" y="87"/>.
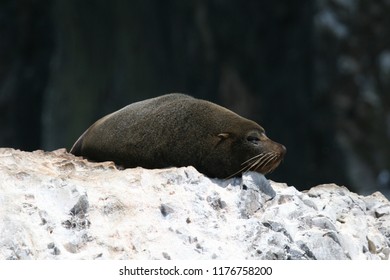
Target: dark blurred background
<point x="314" y="73"/>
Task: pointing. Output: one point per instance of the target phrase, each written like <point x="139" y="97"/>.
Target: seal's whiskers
<point x="267" y="162"/>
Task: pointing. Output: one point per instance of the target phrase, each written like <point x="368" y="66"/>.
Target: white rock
<point x="57" y="206"/>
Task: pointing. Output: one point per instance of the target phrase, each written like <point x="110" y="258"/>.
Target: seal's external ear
<point x="223" y="136"/>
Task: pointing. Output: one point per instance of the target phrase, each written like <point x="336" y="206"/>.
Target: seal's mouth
<point x="263" y="163"/>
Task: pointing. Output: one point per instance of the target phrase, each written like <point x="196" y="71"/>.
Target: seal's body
<point x="179" y="130"/>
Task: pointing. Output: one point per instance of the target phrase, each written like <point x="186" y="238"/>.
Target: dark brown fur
<point x="179" y="130"/>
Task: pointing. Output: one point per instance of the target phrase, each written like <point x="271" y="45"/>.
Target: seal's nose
<point x="283" y="149"/>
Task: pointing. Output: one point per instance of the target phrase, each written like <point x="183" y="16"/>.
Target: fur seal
<point x="179" y="130"/>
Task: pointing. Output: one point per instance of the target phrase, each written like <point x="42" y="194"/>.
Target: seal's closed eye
<point x="253" y="139"/>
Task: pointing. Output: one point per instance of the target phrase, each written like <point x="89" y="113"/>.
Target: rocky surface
<point x="57" y="206"/>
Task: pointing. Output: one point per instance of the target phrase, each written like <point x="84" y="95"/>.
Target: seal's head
<point x="267" y="154"/>
<point x="251" y="149"/>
